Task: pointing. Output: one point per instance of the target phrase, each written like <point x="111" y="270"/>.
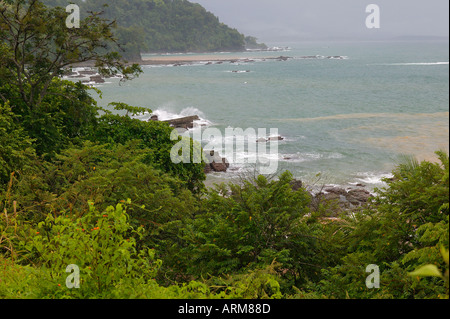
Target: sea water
<point x="346" y="111"/>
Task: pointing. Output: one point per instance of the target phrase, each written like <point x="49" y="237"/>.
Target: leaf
<point x="427" y="271"/>
<point x="445" y="254"/>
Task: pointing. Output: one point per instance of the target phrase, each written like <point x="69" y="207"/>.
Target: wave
<point x="414" y="63"/>
<point x="165" y="114"/>
<point x="238" y="71"/>
<point x="372" y="178"/>
<point x="322" y="57"/>
<point x="308" y="157"/>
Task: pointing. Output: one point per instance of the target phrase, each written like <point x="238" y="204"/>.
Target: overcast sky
<point x="291" y="20"/>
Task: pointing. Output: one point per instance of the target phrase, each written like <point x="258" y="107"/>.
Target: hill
<point x="162" y="26"/>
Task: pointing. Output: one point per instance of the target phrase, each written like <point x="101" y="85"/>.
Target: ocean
<point x="346" y="111"/>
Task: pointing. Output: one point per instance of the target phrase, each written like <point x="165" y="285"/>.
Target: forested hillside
<point x="162" y="26"/>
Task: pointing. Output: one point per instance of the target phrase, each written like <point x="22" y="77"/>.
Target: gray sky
<point x="290" y="20"/>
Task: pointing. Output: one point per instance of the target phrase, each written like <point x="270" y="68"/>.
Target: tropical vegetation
<point x="162" y="26"/>
<point x="86" y="189"/>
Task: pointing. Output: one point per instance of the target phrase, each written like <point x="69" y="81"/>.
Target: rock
<point x="261" y="140"/>
<point x="97" y="79"/>
<point x="216" y="162"/>
<point x="208" y="169"/>
<point x="154" y="118"/>
<point x="225" y="162"/>
<point x="219" y="167"/>
<point x="358" y="196"/>
<point x="296" y="184"/>
<point x="185" y="122"/>
<point x="276" y="138"/>
<point x="87" y="72"/>
<point x="342" y="199"/>
<point x="283" y="58"/>
<point x="336" y="190"/>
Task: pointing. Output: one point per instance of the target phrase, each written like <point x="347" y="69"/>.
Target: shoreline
<point x="189" y="60"/>
<point x="208" y="59"/>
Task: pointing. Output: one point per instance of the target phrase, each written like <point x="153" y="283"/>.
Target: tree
<point x="41" y="46"/>
<point x="163" y="26"/>
<point x="35" y="48"/>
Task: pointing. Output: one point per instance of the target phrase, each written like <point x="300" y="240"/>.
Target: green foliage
<point x="99" y="243"/>
<point x="102" y="193"/>
<point x="35" y="47"/>
<point x="403" y="230"/>
<point x="255" y="284"/>
<point x="163" y="26"/>
<point x="251" y="43"/>
<point x="15" y="146"/>
<point x="258" y="223"/>
<point x="154" y="135"/>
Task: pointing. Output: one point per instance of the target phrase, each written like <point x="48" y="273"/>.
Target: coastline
<point x="421" y="140"/>
<point x="205" y="58"/>
<point x="191" y="59"/>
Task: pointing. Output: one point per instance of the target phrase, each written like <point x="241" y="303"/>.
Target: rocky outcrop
<point x="184" y="122"/>
<point x="97" y="79"/>
<point x="269" y="139"/>
<point x="346" y="198"/>
<point x="215" y="163"/>
<point x="283" y="58"/>
<point x="87" y="72"/>
<point x="336" y="199"/>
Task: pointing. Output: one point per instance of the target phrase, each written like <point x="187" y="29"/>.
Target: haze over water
<point x="348" y="118"/>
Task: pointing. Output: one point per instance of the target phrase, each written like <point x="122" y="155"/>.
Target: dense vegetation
<point x="163" y="26"/>
<point x="99" y="191"/>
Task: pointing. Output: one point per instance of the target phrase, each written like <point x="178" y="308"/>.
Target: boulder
<point x="358" y="197"/>
<point x="87" y="72"/>
<point x="336" y="190"/>
<point x="184" y="122"/>
<point x="219" y="167"/>
<point x="276" y="138"/>
<point x="97" y="79"/>
<point x="216" y="162"/>
<point x="283" y="58"/>
<point x="342" y="198"/>
<point x="261" y="140"/>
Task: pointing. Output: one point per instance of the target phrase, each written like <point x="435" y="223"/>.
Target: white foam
<point x="415" y="63"/>
<point x="165" y="114"/>
<point x="308" y="157"/>
<point x="372" y="178"/>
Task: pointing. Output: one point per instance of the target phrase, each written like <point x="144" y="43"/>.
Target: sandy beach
<point x="188" y="59"/>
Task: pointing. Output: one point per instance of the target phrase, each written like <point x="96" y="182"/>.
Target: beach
<point x="212" y="58"/>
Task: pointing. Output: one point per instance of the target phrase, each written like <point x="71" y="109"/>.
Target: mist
<point x="294" y="20"/>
